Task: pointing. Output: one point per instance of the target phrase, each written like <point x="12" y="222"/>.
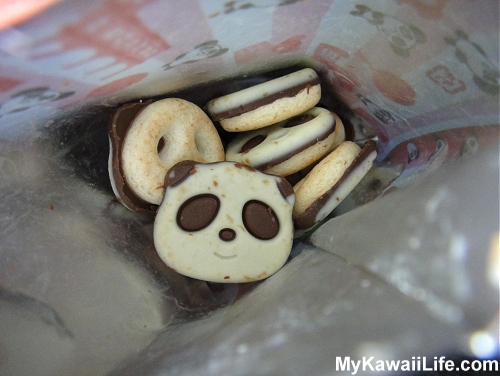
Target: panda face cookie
<point x="224" y="222"/>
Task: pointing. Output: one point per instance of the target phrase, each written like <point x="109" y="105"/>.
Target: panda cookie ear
<point x="284" y="187"/>
<point x="179" y="172"/>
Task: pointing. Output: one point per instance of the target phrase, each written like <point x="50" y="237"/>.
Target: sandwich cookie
<point x="267" y="103"/>
<point x="330" y="181"/>
<point x="289" y="146"/>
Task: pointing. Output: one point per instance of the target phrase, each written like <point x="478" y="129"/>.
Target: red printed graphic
<point x="266" y="49"/>
<point x="112" y="30"/>
<point x="443" y="77"/>
<point x="430" y="9"/>
<point x="7" y="83"/>
<point x="443" y="145"/>
<point x="286" y="36"/>
<point x="394" y="87"/>
<point x="329" y="55"/>
<point x="116" y="85"/>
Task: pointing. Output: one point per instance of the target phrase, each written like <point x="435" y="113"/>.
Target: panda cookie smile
<point x="216" y="254"/>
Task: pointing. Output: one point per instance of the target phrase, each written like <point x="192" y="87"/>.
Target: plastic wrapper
<point x="407" y="266"/>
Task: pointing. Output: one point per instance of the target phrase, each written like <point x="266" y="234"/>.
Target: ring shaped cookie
<point x="330" y="181"/>
<point x="267" y="103"/>
<point x="186" y="133"/>
<point x="289" y="146"/>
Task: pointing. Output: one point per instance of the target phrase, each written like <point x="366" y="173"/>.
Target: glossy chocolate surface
<point x="260" y="220"/>
<point x="117" y="131"/>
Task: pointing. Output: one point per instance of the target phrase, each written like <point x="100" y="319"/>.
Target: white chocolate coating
<point x="188" y="134"/>
<point x="326" y="174"/>
<point x="201" y="253"/>
<point x="271" y="113"/>
<point x="287" y="142"/>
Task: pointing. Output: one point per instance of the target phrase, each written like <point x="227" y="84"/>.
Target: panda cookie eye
<point x="198" y="212"/>
<point x="260" y="220"/>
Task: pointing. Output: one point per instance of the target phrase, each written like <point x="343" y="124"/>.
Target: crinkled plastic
<point x="407" y="266"/>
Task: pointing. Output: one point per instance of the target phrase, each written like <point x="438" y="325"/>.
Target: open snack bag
<point x="281" y="187"/>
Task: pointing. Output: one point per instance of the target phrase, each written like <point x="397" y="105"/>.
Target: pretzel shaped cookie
<point x="289" y="146"/>
<point x="158" y="136"/>
<point x="267" y="103"/>
<point x="330" y="181"/>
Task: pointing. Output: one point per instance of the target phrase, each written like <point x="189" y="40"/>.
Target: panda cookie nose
<point x="227" y="234"/>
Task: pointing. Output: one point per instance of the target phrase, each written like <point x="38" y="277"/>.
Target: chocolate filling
<point x="257" y="140"/>
<point x="250" y="106"/>
<point x="290" y="154"/>
<point x="117" y="130"/>
<point x="297" y="120"/>
<point x="253" y="142"/>
<point x="308" y="218"/>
